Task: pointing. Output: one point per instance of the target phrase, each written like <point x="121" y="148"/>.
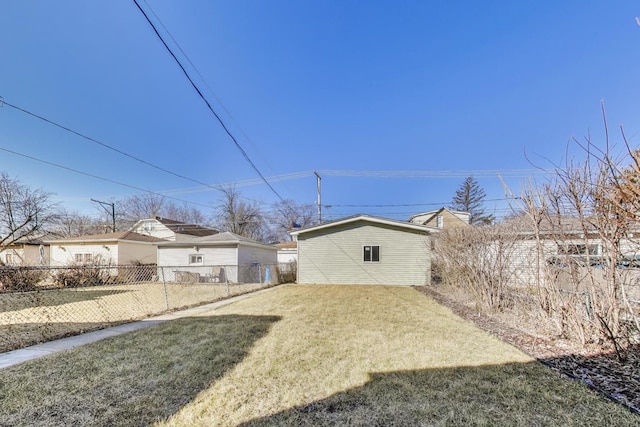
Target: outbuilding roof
<point x="220" y="239"/>
<point x="366" y="218"/>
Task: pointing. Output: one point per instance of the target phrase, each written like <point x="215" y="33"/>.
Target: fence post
<point x="164" y="288"/>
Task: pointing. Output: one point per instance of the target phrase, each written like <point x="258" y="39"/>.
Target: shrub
<point x="478" y="260"/>
<point x="20" y="278"/>
<point x="81" y="275"/>
<point x="287" y="272"/>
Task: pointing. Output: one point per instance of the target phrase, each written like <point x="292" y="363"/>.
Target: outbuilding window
<point x="84" y="258"/>
<point x="371" y="253"/>
<point x="195" y="259"/>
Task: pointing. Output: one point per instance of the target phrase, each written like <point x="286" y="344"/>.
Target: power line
<point x="109" y="147"/>
<point x="98" y="177"/>
<point x="403" y="204"/>
<point x="511" y="173"/>
<point x="203" y="185"/>
<point x="204" y="81"/>
<point x="204" y="99"/>
<point x="433" y="174"/>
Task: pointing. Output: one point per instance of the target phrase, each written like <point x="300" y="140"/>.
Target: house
<point x="119" y="248"/>
<point x="564" y="245"/>
<point x="25" y="252"/>
<point x="222" y="257"/>
<point x="287" y="252"/>
<point x="169" y="229"/>
<point x="442" y="218"/>
<point x="364" y="249"/>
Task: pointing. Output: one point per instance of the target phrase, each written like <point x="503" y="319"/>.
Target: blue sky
<point x="427" y="92"/>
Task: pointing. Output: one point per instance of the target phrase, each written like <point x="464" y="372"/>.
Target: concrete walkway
<point x="14" y="357"/>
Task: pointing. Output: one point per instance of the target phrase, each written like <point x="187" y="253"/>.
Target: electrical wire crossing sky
<point x="393" y="106"/>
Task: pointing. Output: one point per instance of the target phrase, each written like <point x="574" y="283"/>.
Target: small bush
<point x="287" y="272"/>
<point x="20" y="278"/>
<point x="79" y="276"/>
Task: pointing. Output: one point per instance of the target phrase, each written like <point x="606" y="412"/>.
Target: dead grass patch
<point x="28" y="318"/>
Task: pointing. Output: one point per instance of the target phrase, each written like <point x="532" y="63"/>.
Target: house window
<point x="84" y="258"/>
<point x="149" y="226"/>
<point x="371" y="253"/>
<point x="439" y="221"/>
<point x="196" y="259"/>
<point x="12" y="259"/>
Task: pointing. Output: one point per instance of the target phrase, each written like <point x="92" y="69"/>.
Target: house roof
<point x="286" y="245"/>
<point x="34" y="241"/>
<point x="184" y="228"/>
<point x="220" y="239"/>
<point x="366" y="218"/>
<point x="109" y="237"/>
<point x="432" y="214"/>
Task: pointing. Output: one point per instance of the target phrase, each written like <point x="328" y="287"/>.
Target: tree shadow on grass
<point x="133" y="379"/>
<point x="505" y="395"/>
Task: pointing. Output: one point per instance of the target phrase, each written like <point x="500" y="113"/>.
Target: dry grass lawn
<point x="27" y="318"/>
<point x="303" y="355"/>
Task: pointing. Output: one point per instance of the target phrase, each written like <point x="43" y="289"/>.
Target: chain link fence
<point x="39" y="304"/>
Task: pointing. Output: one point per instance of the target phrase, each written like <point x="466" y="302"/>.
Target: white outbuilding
<point x="222" y="257"/>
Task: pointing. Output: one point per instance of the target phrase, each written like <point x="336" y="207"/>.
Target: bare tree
<point x="583" y="219"/>
<point x="142" y="206"/>
<point x="289" y="214"/>
<point x="184" y="213"/>
<point x="240" y="216"/>
<point x="72" y="224"/>
<point x="137" y="207"/>
<point x="24" y="212"/>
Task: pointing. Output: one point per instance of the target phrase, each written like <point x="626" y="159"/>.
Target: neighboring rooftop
<point x="286" y="245"/>
<point x="184" y="228"/>
<point x="110" y="237"/>
<point x="219" y="239"/>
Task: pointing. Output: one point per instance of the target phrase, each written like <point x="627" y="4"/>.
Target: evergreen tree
<point x="470" y="198"/>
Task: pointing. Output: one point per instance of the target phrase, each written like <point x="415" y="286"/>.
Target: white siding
<point x="226" y="256"/>
<point x="64" y="254"/>
<point x="335" y="256"/>
<point x="219" y="255"/>
<point x="287" y="255"/>
<point x="154" y="228"/>
<point x="25" y="255"/>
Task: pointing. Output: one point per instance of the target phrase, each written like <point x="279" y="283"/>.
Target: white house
<point x="364" y="249"/>
<point x="287" y="252"/>
<point x="222" y="257"/>
<point x="169" y="229"/>
<point x="120" y="248"/>
<point x="441" y="218"/>
<point x="25" y="252"/>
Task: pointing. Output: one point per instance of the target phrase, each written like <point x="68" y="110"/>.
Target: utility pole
<point x="318" y="185"/>
<point x="112" y="213"/>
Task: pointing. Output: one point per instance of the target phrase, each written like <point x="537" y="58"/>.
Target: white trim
<point x="367" y="218"/>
